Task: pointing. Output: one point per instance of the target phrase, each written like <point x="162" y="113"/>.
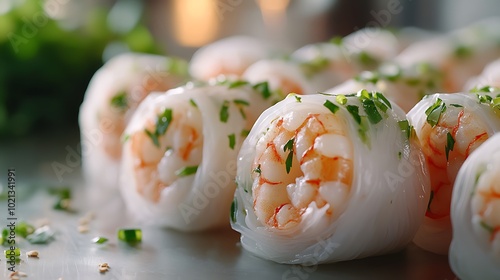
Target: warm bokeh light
<point x="274" y="12"/>
<point x="195" y="21"/>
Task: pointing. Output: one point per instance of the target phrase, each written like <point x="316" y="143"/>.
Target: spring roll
<point x="112" y="96"/>
<point x="179" y="159"/>
<point x="475" y="215"/>
<point x="324" y="178"/>
<point x="229" y="56"/>
<point x="449" y="127"/>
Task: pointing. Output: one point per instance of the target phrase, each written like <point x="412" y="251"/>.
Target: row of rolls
<point x="341" y="150"/>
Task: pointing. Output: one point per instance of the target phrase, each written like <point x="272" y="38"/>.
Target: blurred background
<point x="49" y="49"/>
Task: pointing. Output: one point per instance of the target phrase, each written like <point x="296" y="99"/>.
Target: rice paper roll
<point x="230" y="56"/>
<point x="475" y="248"/>
<point x="324" y="178"/>
<point x="283" y="77"/>
<point x="459" y="55"/>
<point x="449" y="127"/>
<point x="179" y="159"/>
<point x="111" y="98"/>
<point x="489" y="77"/>
<point x="328" y="64"/>
<point x="405" y="87"/>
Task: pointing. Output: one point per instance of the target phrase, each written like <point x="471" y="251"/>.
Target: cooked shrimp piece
<point x="284" y="188"/>
<point x="475" y="214"/>
<point x="171" y="142"/>
<point x="449" y="128"/>
<point x="319" y="171"/>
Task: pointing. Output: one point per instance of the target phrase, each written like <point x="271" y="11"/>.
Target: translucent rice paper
<point x="471" y="252"/>
<point x="110" y="101"/>
<point x="435" y="233"/>
<point x="229" y="56"/>
<point x="384" y="208"/>
<point x="459" y="55"/>
<point x="202" y="200"/>
<point x="489" y="77"/>
<point x="331" y="63"/>
<point x="405" y="87"/>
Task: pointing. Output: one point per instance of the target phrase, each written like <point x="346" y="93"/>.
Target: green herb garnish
<point x="371" y="111"/>
<point x="354" y="111"/>
<point x="237" y="84"/>
<point x="450" y="143"/>
<point x="193" y="103"/>
<point x="162" y="124"/>
<point x="234" y="208"/>
<point x="487" y="227"/>
<point x="99" y="240"/>
<point x="244" y="132"/>
<point x="224" y="112"/>
<point x="341" y="99"/>
<point x="16" y="252"/>
<point x="434" y="112"/>
<point x="232" y="140"/>
<point x="332" y="107"/>
<point x="186" y="171"/>
<point x="119" y="101"/>
<point x="462" y="51"/>
<point x="289" y="147"/>
<point x="405" y="127"/>
<point x="456" y="105"/>
<point x="257" y="169"/>
<point x="367" y="59"/>
<point x="337" y="40"/>
<point x="263" y="88"/>
<point x="24" y="229"/>
<point x="297" y="98"/>
<point x="130" y="236"/>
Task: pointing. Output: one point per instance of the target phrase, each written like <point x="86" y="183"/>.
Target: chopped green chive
<point x="314" y="66"/>
<point x="237" y="84"/>
<point x="16" y="252"/>
<point x="434" y="112"/>
<point x="399" y="155"/>
<point x="383" y="99"/>
<point x="297" y="98"/>
<point x="64" y="198"/>
<point x="462" y="52"/>
<point x="234" y="208"/>
<point x="130" y="236"/>
<point x="337" y="40"/>
<point x="289" y="147"/>
<point x="244" y="132"/>
<point x="241" y="102"/>
<point x="487" y="227"/>
<point x="119" y="101"/>
<point x="5" y="234"/>
<point x="232" y="140"/>
<point x="404" y="125"/>
<point x="224" y="112"/>
<point x="456" y="105"/>
<point x="24" y="229"/>
<point x="257" y="169"/>
<point x="99" y="240"/>
<point x="367" y="59"/>
<point x="371" y="111"/>
<point x="332" y="107"/>
<point x="263" y="88"/>
<point x="354" y="111"/>
<point x="125" y="138"/>
<point x="450" y="143"/>
<point x="193" y="103"/>
<point x="162" y="123"/>
<point x="341" y="99"/>
<point x="186" y="171"/>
